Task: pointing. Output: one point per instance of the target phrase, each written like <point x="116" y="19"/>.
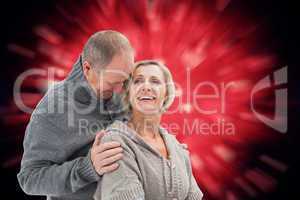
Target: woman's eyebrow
<point x="154" y="77"/>
<point x="151" y="77"/>
<point x="139" y="75"/>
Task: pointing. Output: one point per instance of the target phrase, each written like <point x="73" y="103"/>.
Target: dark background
<point x="17" y="19"/>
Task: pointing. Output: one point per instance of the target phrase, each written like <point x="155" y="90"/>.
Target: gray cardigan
<point x="144" y="174"/>
<point x="56" y="161"/>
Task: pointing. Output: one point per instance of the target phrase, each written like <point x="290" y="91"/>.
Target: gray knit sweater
<point x="144" y="174"/>
<point x="56" y="161"/>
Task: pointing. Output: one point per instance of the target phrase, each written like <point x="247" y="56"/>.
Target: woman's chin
<point x="150" y="112"/>
<point x="147" y="109"/>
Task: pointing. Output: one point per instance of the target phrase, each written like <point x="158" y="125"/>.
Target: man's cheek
<point x="118" y="89"/>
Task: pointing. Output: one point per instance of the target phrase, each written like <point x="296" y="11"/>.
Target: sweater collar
<point x="122" y="127"/>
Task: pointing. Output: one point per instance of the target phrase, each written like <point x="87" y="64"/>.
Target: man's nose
<point x="118" y="88"/>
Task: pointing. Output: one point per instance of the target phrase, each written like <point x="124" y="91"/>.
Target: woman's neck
<point x="146" y="126"/>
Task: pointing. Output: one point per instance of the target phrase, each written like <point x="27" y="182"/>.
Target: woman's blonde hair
<point x="170" y="87"/>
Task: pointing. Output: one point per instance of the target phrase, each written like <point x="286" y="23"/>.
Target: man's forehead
<point x="126" y="68"/>
<point x="117" y="74"/>
<point x="120" y="65"/>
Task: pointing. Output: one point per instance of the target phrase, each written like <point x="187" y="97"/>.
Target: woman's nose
<point x="146" y="88"/>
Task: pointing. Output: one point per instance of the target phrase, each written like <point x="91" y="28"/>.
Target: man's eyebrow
<point x="117" y="82"/>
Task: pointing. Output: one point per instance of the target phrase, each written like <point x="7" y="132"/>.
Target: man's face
<point x="106" y="81"/>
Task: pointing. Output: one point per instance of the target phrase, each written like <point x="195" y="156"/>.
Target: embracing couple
<point x="124" y="153"/>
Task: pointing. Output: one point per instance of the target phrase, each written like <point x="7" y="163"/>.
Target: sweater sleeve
<point x="194" y="190"/>
<point x="44" y="170"/>
<point x="124" y="183"/>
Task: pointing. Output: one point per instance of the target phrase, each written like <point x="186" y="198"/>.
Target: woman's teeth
<point x="146" y="98"/>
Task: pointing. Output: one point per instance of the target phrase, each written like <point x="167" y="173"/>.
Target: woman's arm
<point x="194" y="190"/>
<point x="124" y="183"/>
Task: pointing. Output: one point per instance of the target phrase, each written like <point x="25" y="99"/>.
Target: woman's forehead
<point x="148" y="71"/>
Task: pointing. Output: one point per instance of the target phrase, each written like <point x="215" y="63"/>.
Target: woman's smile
<point x="148" y="89"/>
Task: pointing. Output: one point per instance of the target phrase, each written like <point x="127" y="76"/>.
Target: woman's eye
<point x="137" y="81"/>
<point x="156" y="81"/>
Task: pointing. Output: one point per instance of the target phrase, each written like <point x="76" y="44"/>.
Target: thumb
<point x="98" y="137"/>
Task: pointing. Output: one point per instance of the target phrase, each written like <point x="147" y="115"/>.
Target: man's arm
<point x="44" y="169"/>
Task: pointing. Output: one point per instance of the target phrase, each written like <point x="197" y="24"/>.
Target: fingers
<point x="110" y="152"/>
<point x="105" y="155"/>
<point x="112" y="159"/>
<point x="98" y="137"/>
<point x="107" y="160"/>
<point x="106" y="146"/>
<point x="109" y="168"/>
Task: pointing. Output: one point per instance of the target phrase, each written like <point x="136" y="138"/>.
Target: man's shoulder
<point x="55" y="95"/>
<point x="49" y="108"/>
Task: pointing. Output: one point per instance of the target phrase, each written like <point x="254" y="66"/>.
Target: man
<point x="63" y="159"/>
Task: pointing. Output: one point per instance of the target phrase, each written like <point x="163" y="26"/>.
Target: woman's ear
<point x="166" y="98"/>
<point x="86" y="67"/>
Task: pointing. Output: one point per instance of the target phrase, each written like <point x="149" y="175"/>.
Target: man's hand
<point x="104" y="156"/>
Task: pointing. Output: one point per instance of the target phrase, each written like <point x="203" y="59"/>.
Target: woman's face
<point x="147" y="90"/>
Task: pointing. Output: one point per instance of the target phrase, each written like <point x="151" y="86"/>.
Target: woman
<point x="154" y="166"/>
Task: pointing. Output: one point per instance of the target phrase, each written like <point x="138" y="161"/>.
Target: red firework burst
<point x="203" y="43"/>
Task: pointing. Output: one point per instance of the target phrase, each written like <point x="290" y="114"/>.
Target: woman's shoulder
<point x="180" y="147"/>
<point x="118" y="131"/>
<point x="180" y="150"/>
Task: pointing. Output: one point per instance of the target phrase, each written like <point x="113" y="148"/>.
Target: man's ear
<point x="86" y="67"/>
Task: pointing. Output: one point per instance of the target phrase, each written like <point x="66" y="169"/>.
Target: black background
<point x="18" y="18"/>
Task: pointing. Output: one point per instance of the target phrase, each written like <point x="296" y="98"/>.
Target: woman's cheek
<point x="160" y="91"/>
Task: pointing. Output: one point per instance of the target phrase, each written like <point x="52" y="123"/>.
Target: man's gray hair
<point x="102" y="46"/>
